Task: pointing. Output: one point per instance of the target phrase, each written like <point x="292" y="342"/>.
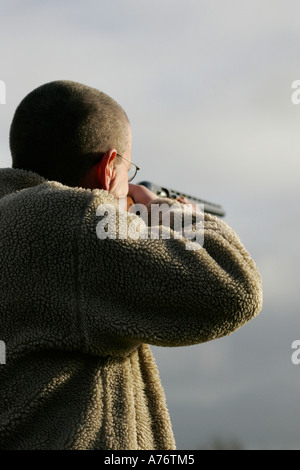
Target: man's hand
<point x="140" y="194"/>
<point x="184" y="200"/>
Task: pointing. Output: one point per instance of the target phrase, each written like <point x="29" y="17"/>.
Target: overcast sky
<point x="207" y="86"/>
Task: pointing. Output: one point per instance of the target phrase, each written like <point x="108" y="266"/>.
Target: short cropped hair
<point x="59" y="129"/>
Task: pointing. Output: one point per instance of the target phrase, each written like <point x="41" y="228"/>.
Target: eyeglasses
<point x="132" y="170"/>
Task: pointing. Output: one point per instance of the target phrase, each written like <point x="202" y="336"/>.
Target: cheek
<point x="123" y="181"/>
<point x="125" y="175"/>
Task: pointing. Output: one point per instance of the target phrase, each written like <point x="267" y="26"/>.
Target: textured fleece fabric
<point x="78" y="313"/>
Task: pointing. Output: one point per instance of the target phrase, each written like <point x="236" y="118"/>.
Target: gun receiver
<point x="161" y="191"/>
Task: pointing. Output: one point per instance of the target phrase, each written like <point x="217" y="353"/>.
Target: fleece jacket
<point x="79" y="312"/>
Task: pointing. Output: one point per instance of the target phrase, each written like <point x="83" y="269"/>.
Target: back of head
<point x="58" y="128"/>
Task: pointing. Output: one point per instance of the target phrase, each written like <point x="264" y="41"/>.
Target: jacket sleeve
<point x="163" y="291"/>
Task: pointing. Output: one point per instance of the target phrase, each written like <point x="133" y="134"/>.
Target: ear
<point x="105" y="170"/>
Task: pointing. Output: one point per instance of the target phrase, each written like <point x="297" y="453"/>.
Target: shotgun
<point x="161" y="191"/>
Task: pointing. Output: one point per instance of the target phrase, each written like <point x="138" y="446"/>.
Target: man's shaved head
<point x="59" y="127"/>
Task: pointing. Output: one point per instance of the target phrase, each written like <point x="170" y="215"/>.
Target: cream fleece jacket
<point x="78" y="313"/>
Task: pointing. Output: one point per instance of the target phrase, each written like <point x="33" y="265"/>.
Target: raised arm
<point x="159" y="292"/>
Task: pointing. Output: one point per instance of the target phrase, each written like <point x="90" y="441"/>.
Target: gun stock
<point x="161" y="191"/>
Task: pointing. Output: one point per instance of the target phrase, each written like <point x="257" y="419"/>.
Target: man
<point x="78" y="311"/>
